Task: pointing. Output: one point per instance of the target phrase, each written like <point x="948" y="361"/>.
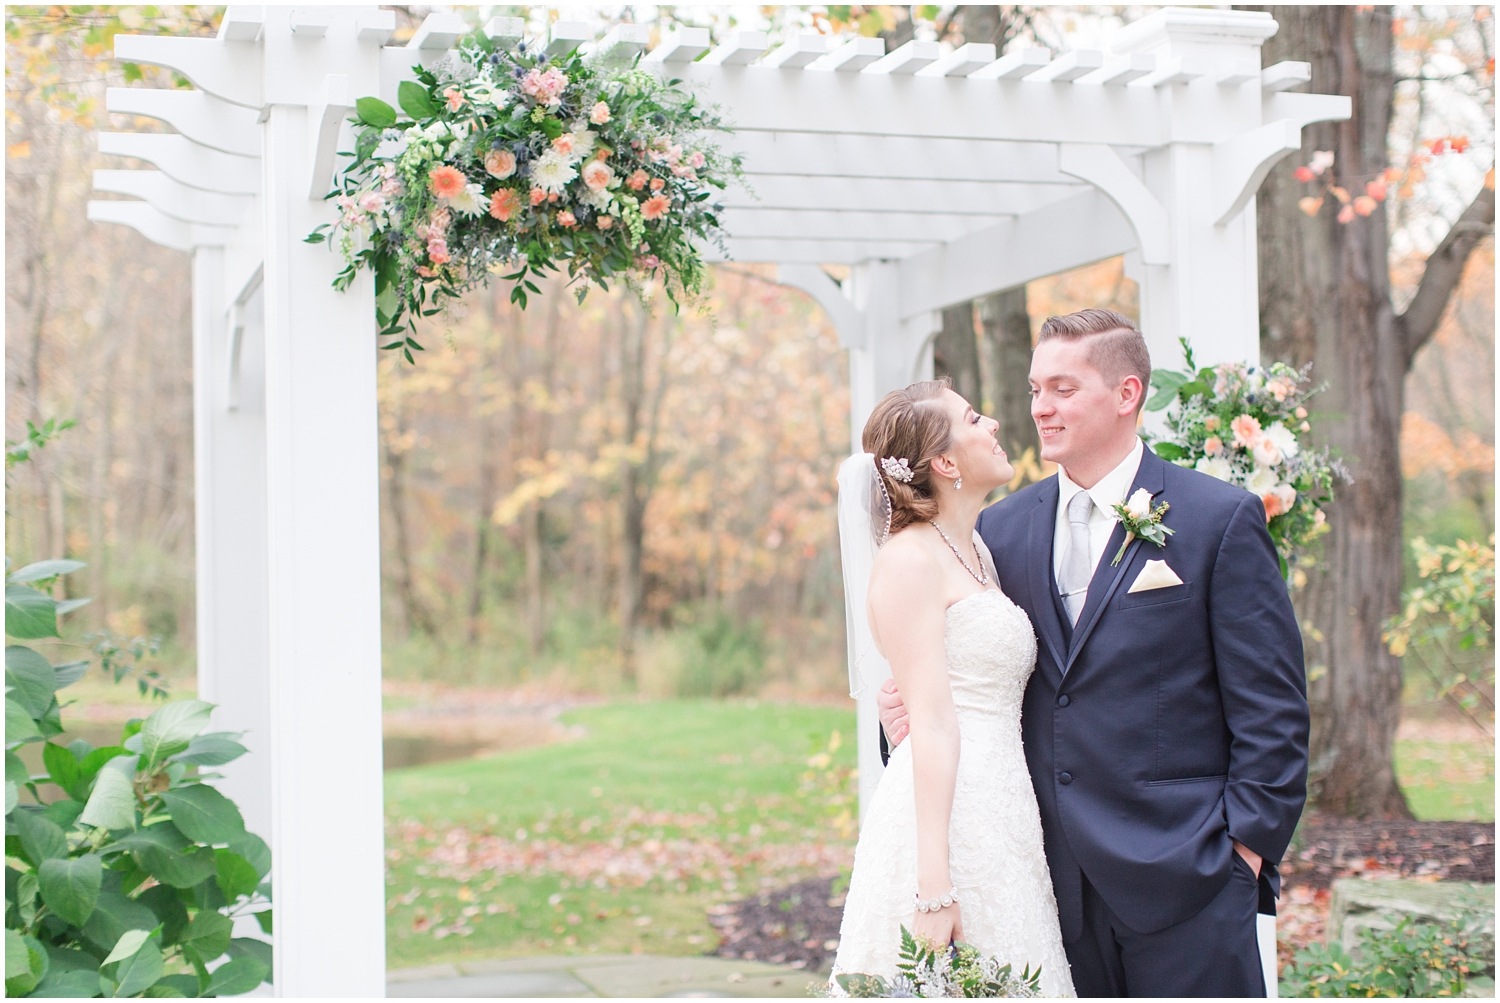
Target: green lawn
<point x="1448" y="781"/>
<point x="619" y="840"/>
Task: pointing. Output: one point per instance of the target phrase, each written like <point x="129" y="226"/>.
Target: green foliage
<point x="1413" y="959"/>
<point x="1450" y="614"/>
<point x="79" y="918"/>
<point x="958" y="971"/>
<point x="37" y="437"/>
<point x="717" y="657"/>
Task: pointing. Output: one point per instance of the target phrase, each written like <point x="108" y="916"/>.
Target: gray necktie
<point x="1077" y="569"/>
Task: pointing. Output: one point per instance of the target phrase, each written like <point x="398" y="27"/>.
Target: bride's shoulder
<point x="907" y="562"/>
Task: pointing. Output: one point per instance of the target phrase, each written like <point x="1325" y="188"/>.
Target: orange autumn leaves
<point x="1376" y="190"/>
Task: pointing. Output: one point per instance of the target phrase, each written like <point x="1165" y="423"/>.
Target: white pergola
<point x="937" y="176"/>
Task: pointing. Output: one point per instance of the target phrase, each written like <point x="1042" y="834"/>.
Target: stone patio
<point x="600" y="975"/>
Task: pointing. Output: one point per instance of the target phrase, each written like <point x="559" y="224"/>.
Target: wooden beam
<point x="156" y="227"/>
<point x="814" y="251"/>
<point x="229" y="72"/>
<point x="198" y="115"/>
<point x="856" y="156"/>
<point x="174" y="199"/>
<point x="1102" y="167"/>
<point x="183" y="160"/>
<point x="851" y="57"/>
<point x="1242" y="163"/>
<point x="881" y="195"/>
<point x="810" y="224"/>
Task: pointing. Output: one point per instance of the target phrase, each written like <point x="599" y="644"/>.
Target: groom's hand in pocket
<point x="1251" y="857"/>
<point x="893" y="717"/>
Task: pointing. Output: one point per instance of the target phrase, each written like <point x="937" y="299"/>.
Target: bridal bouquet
<point x="930" y="971"/>
<point x="510" y="161"/>
<point x="1247" y="425"/>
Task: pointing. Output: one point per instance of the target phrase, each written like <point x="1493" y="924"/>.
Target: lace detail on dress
<point x="994" y="833"/>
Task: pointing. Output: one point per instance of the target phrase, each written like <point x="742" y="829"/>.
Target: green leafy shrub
<point x="1412" y="959"/>
<point x="128" y="884"/>
<point x="720" y="658"/>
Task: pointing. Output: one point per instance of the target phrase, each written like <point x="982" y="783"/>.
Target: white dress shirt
<point x="1107" y="493"/>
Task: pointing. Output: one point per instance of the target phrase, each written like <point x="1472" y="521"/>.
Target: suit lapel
<point x="1107" y="578"/>
<point x="1039" y="568"/>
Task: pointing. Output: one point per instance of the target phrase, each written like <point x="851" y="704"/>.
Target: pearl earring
<point x="958" y="483"/>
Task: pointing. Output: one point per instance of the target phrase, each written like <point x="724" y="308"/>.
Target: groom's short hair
<point x="1115" y="347"/>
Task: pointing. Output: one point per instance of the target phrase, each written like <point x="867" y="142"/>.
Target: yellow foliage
<point x="1425" y="446"/>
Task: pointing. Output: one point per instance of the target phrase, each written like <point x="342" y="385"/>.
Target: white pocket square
<point x="1155" y="575"/>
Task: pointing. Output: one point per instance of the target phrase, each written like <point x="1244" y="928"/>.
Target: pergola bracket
<point x="1103" y="168"/>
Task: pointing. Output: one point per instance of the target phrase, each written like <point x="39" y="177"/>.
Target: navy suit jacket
<point x="1167" y="722"/>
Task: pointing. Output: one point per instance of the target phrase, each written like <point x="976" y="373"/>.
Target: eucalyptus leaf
<point x="42" y="570"/>
<point x="71" y="887"/>
<point x="112" y="803"/>
<point x="29" y="614"/>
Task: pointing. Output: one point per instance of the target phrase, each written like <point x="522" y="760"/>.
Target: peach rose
<point x="1279" y="500"/>
<point x="500" y="163"/>
<point x="447" y="181"/>
<point x="455" y="98"/>
<point x="655" y="207"/>
<point x="437" y="251"/>
<point x="1265" y="452"/>
<point x="599" y="114"/>
<point x="1213" y="445"/>
<point x="638" y="180"/>
<point x="566" y="218"/>
<point x="597" y="175"/>
<point x="538" y="196"/>
<point x="605" y="222"/>
<point x="504" y="204"/>
<point x="657" y="184"/>
<point x="1246" y="431"/>
<point x="565" y="143"/>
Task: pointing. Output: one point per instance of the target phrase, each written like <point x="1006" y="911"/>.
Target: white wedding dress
<point x="994" y="833"/>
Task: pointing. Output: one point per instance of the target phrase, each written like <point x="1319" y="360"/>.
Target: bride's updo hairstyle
<point x="911" y="425"/>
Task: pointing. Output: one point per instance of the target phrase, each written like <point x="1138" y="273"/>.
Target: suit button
<point x="1063" y="700"/>
<point x="1065" y="778"/>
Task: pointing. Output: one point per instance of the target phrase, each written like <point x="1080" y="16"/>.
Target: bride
<point x="951" y="844"/>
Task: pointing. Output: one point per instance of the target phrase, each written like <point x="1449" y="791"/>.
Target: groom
<point x="1166" y="723"/>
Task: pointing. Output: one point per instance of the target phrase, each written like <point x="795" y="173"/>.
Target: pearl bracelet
<point x="933" y="905"/>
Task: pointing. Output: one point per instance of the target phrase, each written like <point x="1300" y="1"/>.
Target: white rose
<point x="1265" y="452"/>
<point x="1283" y="438"/>
<point x="1215" y="466"/>
<point x="1262" y="482"/>
<point x="1139" y="505"/>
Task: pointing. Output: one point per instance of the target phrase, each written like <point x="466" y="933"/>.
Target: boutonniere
<point x="1141" y="520"/>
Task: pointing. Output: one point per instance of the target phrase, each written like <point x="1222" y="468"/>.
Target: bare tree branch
<point x="1445" y="267"/>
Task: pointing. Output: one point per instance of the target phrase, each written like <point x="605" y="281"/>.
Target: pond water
<point x="401" y="751"/>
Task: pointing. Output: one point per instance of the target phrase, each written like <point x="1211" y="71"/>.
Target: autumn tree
<point x="1326" y="299"/>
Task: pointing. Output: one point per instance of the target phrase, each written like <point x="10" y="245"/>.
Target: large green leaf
<point x="71" y="887"/>
<point x="130" y="941"/>
<point x="139" y="971"/>
<point x="236" y="875"/>
<point x="207" y="935"/>
<point x="177" y="986"/>
<point x="236" y="977"/>
<point x="31" y="679"/>
<point x="41" y="839"/>
<point x="73" y="984"/>
<point x="63" y="813"/>
<point x="172" y="727"/>
<point x="203" y="814"/>
<point x="19" y="727"/>
<point x="25" y="964"/>
<point x="94" y="760"/>
<point x="178" y="869"/>
<point x="112" y="804"/>
<point x="113" y="915"/>
<point x="62" y="767"/>
<point x="415" y="100"/>
<point x="69" y="673"/>
<point x="212" y="750"/>
<point x="254" y="849"/>
<point x="170" y="912"/>
<point x="41" y="570"/>
<point x="28" y="613"/>
<point x="247" y="947"/>
<point x="373" y="111"/>
<point x="16" y="771"/>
